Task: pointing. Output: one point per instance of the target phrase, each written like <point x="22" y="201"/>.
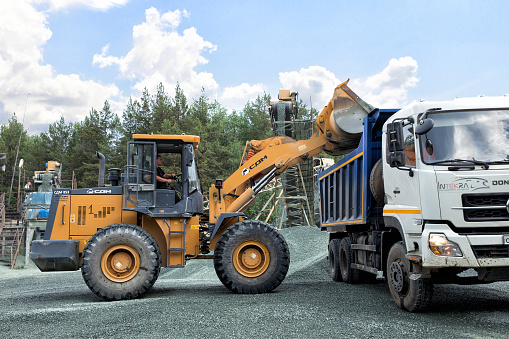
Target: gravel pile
<point x="308" y="251"/>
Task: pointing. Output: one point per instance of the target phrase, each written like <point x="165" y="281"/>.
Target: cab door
<point x="140" y="175"/>
<point x="402" y="189"/>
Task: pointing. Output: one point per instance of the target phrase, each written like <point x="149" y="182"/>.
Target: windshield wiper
<point x="470" y="161"/>
<point x="505" y="161"/>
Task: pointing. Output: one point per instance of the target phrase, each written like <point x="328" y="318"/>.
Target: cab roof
<point x="164" y="138"/>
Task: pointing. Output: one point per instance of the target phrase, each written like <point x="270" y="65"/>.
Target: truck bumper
<point x="55" y="255"/>
<point x="475" y="249"/>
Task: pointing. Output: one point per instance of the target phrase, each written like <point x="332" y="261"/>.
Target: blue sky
<point x="71" y="55"/>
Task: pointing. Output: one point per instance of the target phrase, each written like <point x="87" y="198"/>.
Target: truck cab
<point x="459" y="189"/>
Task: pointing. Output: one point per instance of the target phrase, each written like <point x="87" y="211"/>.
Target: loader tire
<point x="120" y="262"/>
<point x="410" y="295"/>
<point x="251" y="257"/>
<point x="348" y="274"/>
<point x="334" y="270"/>
<point x="376" y="182"/>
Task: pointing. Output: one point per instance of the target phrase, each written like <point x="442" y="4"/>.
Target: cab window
<point x="409" y="145"/>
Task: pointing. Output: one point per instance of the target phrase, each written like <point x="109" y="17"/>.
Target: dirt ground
<point x="191" y="303"/>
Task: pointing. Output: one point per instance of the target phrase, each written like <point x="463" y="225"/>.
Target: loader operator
<point x="163" y="179"/>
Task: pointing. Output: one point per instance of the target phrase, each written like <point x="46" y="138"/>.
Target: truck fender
<point x="394" y="224"/>
<point x="389" y="238"/>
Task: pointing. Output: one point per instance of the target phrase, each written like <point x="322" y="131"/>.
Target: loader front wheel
<point x="251" y="257"/>
<point x="120" y="262"/>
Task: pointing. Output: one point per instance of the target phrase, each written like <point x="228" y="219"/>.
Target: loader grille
<point x="494" y="207"/>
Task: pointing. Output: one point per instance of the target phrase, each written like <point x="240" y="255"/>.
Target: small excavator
<point x="121" y="234"/>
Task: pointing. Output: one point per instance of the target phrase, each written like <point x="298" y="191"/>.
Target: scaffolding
<point x="295" y="187"/>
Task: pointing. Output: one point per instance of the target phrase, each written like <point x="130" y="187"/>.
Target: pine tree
<point x="161" y="105"/>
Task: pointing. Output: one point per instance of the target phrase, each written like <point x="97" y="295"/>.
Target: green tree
<point x="12" y="135"/>
<point x="131" y="117"/>
<point x="161" y="108"/>
<point x="145" y="117"/>
<point x="179" y="108"/>
<point x="257" y="113"/>
<point x="59" y="141"/>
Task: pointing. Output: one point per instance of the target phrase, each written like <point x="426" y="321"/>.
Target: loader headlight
<point x="440" y="245"/>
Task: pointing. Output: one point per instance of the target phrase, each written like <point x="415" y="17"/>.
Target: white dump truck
<point x="424" y="199"/>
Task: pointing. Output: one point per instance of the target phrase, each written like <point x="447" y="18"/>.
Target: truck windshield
<point x="471" y="135"/>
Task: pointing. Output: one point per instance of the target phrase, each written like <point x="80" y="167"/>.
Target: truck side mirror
<point x="395" y="136"/>
<point x="188" y="155"/>
<point x="424" y="126"/>
<point x="397" y="159"/>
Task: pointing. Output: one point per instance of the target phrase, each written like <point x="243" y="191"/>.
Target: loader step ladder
<point x="177" y="249"/>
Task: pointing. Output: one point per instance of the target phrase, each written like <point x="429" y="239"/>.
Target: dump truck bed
<point x="345" y="197"/>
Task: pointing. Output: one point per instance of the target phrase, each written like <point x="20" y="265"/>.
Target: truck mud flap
<point x="55" y="255"/>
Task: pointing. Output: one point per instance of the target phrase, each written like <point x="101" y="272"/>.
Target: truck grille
<point x="491" y="251"/>
<point x="494" y="207"/>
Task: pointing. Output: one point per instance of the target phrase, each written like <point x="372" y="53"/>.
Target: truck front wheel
<point x="251" y="257"/>
<point x="410" y="295"/>
<point x="120" y="262"/>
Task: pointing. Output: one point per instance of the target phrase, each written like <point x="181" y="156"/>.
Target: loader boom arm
<point x="336" y="132"/>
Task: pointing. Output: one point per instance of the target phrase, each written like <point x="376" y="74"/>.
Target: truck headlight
<point x="440" y="245"/>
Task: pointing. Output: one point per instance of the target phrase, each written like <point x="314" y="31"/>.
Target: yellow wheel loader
<point x="121" y="234"/>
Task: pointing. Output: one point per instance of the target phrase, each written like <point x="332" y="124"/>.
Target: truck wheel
<point x="251" y="257"/>
<point x="120" y="262"/>
<point x="410" y="295"/>
<point x="348" y="274"/>
<point x="334" y="269"/>
<point x="376" y="182"/>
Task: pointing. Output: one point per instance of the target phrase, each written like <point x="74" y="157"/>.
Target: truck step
<point x="177" y="249"/>
<point x="177" y="232"/>
<point x="371" y="248"/>
<point x="365" y="268"/>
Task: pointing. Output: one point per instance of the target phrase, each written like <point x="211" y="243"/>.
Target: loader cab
<point x="181" y="199"/>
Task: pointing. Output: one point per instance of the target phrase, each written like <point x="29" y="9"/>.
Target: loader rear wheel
<point x="334" y="269"/>
<point x="410" y="295"/>
<point x="251" y="257"/>
<point x="120" y="262"/>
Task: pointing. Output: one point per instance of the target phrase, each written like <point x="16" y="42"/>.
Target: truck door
<point x="140" y="178"/>
<point x="402" y="186"/>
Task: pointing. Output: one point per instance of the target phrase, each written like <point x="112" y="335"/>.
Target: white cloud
<point x="237" y="97"/>
<point x="315" y="81"/>
<point x="388" y="88"/>
<point x="161" y="55"/>
<point x="101" y="5"/>
<point x="23" y="33"/>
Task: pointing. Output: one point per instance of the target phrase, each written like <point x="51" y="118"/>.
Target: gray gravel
<point x="191" y="302"/>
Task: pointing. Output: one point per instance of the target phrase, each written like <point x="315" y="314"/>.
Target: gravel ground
<point x="191" y="303"/>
